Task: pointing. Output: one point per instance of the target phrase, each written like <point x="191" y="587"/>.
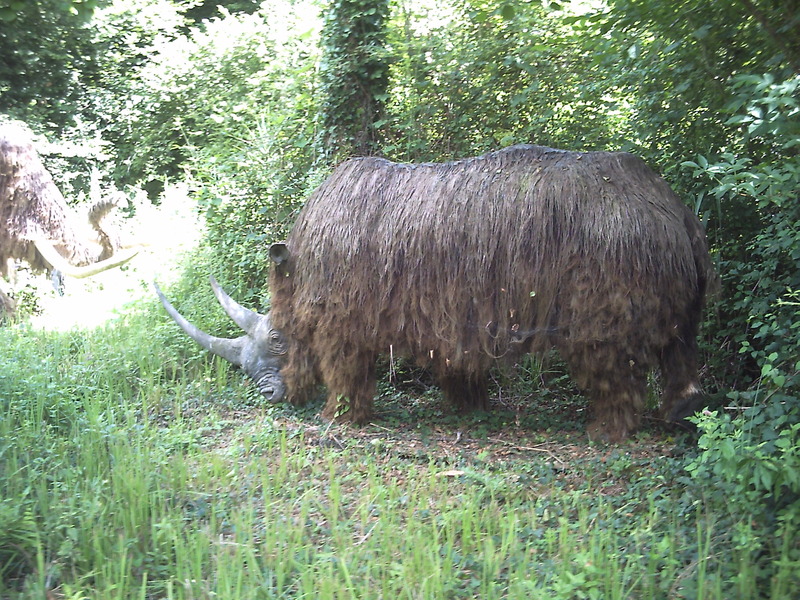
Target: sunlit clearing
<point x="168" y="232"/>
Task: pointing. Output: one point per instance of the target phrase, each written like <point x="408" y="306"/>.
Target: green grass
<point x="133" y="467"/>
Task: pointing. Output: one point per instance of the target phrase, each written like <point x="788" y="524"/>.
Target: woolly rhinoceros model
<point x="462" y="264"/>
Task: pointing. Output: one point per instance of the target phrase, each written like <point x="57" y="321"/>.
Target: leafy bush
<point x="748" y="471"/>
<point x="46" y="49"/>
<point x="229" y="107"/>
<point x="471" y="76"/>
<point x="759" y="256"/>
<point x="749" y="464"/>
<point x="754" y="460"/>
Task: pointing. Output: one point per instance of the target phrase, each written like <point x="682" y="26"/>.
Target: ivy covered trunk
<point x="354" y="76"/>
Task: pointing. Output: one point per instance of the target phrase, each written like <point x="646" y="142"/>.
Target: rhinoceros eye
<point x="276" y="343"/>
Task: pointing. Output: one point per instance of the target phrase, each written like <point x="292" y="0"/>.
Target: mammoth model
<point x="36" y="224"/>
<point x="461" y="264"/>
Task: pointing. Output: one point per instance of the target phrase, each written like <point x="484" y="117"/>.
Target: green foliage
<point x="252" y="158"/>
<point x="226" y="106"/>
<point x="44" y="49"/>
<point x="17" y="538"/>
<point x="751" y="189"/>
<point x="135" y="109"/>
<point x="754" y="196"/>
<point x="492" y="75"/>
<point x="749" y="468"/>
<point x="354" y="76"/>
<point x="674" y="61"/>
<point x="15" y="10"/>
<point x="754" y="460"/>
<point x="200" y="10"/>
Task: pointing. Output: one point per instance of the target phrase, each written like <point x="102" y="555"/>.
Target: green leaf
<point x="726" y="449"/>
<point x="508" y="12"/>
<point x="766" y="479"/>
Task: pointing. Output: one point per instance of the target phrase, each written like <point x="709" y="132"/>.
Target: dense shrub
<point x="759" y="255"/>
<point x="229" y="106"/>
<point x="473" y="76"/>
<point x="748" y="472"/>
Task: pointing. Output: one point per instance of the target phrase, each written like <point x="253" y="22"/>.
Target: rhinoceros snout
<point x="273" y="391"/>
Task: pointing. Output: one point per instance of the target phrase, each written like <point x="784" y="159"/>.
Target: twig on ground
<point x="537" y="448"/>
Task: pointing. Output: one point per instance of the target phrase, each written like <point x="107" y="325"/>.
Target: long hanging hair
<point x="480" y="259"/>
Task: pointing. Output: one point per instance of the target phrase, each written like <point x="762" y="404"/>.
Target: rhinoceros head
<point x="259" y="353"/>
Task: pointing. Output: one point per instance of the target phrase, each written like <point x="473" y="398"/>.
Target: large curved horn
<point x="230" y="350"/>
<point x="244" y="317"/>
<point x="52" y="256"/>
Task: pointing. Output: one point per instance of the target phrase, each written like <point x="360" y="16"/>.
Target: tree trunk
<point x="355" y="76"/>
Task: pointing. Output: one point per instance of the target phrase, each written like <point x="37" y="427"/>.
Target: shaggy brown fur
<point x="462" y="264"/>
<point x="31" y="206"/>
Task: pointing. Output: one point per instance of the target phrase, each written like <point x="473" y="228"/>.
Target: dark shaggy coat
<point x="461" y="264"/>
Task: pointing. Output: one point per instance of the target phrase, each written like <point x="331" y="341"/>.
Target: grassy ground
<point x="131" y="468"/>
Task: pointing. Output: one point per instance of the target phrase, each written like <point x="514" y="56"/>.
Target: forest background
<point x="252" y="103"/>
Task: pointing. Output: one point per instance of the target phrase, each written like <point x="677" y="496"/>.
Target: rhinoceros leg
<point x="616" y="386"/>
<point x="300" y="374"/>
<point x="465" y="391"/>
<point x="682" y="395"/>
<point x="350" y="379"/>
<point x="617" y="413"/>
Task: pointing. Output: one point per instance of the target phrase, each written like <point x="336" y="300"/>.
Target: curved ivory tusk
<point x="230" y="350"/>
<point x="245" y="318"/>
<point x="52" y="256"/>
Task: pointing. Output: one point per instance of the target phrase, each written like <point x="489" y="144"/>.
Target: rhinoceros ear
<point x="279" y="253"/>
